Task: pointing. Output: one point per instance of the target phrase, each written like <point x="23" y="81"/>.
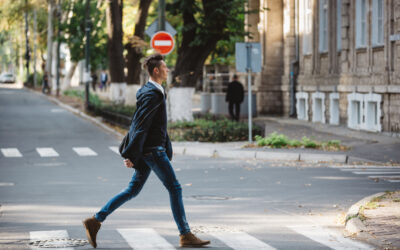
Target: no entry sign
<point x="163" y="42"/>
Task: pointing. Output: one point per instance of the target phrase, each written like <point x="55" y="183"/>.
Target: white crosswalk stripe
<point x="144" y="239"/>
<point x="329" y="238"/>
<point x="47" y="152"/>
<point x="114" y="149"/>
<point x="48" y="235"/>
<point x="84" y="151"/>
<point x="11" y="152"/>
<point x="387" y="173"/>
<point x="241" y="241"/>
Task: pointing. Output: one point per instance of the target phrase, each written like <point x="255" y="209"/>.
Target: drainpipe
<point x="294" y="65"/>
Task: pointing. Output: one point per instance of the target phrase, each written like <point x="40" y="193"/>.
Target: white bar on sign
<point x="144" y="239"/>
<point x="329" y="238"/>
<point x="84" y="151"/>
<point x="48" y="235"/>
<point x="241" y="241"/>
<point x="163" y="43"/>
<point x="47" y="152"/>
<point x="114" y="149"/>
<point x="11" y="152"/>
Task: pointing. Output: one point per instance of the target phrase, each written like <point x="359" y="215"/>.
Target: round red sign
<point x="162" y="42"/>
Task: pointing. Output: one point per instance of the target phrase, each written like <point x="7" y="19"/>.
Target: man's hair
<point x="152" y="61"/>
<point x="235" y="77"/>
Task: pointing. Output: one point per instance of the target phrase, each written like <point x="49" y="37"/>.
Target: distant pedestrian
<point x="45" y="83"/>
<point x="149" y="148"/>
<point x="235" y="96"/>
<point x="94" y="81"/>
<point x="103" y="80"/>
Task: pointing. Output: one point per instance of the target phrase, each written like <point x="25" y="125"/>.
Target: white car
<point x="7" y="78"/>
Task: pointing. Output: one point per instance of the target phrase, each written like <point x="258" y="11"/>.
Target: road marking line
<point x="362" y="167"/>
<point x="368" y="169"/>
<point x="6" y="184"/>
<point x="84" y="151"/>
<point x="144" y="238"/>
<point x="114" y="149"/>
<point x="376" y="172"/>
<point x="393" y="180"/>
<point x="385" y="176"/>
<point x="11" y="152"/>
<point x="48" y="235"/>
<point x="47" y="152"/>
<point x="57" y="110"/>
<point x="328" y="238"/>
<point x="241" y="240"/>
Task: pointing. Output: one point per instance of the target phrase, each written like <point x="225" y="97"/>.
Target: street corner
<point x="375" y="219"/>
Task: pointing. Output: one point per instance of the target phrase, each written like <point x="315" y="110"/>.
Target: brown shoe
<point x="92" y="227"/>
<point x="190" y="240"/>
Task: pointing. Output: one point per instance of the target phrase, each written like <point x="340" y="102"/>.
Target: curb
<point x="353" y="223"/>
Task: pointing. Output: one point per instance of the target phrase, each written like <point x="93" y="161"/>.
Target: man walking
<point x="234" y="96"/>
<point x="103" y="80"/>
<point x="149" y="149"/>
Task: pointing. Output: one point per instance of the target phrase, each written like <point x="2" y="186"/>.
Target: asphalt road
<point x="47" y="187"/>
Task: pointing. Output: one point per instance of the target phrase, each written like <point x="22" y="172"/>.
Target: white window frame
<point x="377" y="22"/>
<point x="302" y="96"/>
<point x="374" y="125"/>
<point x="338" y="25"/>
<point x="323" y="26"/>
<point x="307" y="26"/>
<point x="315" y="96"/>
<point x="334" y="112"/>
<point x="351" y="98"/>
<point x="361" y="23"/>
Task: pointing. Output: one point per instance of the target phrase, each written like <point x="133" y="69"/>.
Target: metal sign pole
<point x="248" y="46"/>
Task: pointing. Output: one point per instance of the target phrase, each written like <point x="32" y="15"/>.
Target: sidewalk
<point x="376" y="220"/>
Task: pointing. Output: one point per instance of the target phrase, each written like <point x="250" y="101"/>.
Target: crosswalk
<point x="51" y="152"/>
<point x="386" y="173"/>
<point x="149" y="238"/>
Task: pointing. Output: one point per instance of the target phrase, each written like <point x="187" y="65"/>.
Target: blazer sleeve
<point x="140" y="126"/>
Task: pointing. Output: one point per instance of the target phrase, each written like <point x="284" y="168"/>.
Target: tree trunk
<point x="135" y="46"/>
<point x="115" y="48"/>
<point x="67" y="79"/>
<point x="50" y="40"/>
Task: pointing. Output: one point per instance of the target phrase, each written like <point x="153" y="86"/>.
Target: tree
<point x="136" y="44"/>
<point x="115" y="47"/>
<point x="205" y="23"/>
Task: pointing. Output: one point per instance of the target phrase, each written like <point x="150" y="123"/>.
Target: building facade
<point x="330" y="61"/>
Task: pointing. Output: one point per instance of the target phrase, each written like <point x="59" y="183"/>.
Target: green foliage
<point x="127" y="110"/>
<point x="74" y="30"/>
<point x="210" y="131"/>
<point x="275" y="140"/>
<point x="308" y="143"/>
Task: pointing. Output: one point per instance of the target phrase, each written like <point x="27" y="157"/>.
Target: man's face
<point x="162" y="71"/>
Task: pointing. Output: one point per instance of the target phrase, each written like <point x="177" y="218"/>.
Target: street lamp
<point x="87" y="51"/>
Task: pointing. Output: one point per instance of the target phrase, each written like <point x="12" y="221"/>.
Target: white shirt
<point x="157" y="85"/>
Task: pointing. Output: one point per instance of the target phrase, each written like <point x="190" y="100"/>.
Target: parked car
<point x="7" y="78"/>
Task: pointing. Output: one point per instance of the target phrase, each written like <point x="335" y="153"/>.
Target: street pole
<point x="58" y="49"/>
<point x="161" y="15"/>
<point x="27" y="56"/>
<point x="34" y="47"/>
<point x="248" y="46"/>
<point x="87" y="58"/>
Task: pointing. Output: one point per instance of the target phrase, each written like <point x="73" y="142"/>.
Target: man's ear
<point x="156" y="70"/>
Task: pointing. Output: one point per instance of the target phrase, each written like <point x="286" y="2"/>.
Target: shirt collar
<point x="157" y="85"/>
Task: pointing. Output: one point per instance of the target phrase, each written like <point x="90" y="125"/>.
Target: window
<point x="307" y="28"/>
<point x="377" y="22"/>
<point x="339" y="25"/>
<point x="302" y="105"/>
<point x="323" y="25"/>
<point x="361" y="23"/>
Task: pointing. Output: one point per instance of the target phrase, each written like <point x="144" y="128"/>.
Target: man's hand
<point x="128" y="163"/>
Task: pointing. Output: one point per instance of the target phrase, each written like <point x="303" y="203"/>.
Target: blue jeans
<point x="156" y="160"/>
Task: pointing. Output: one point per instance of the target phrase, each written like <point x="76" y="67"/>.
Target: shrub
<point x="308" y="143"/>
<point x="210" y="131"/>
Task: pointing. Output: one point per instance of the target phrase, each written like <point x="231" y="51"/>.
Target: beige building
<point x="330" y="61"/>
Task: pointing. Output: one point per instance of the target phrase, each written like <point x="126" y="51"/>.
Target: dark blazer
<point x="149" y="100"/>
